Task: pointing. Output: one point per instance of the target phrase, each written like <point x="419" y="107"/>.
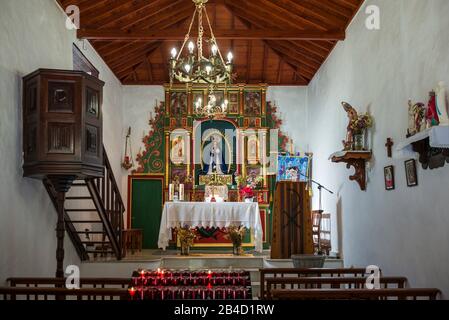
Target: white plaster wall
<point x="404" y="231"/>
<point x="138" y="102"/>
<point x="33" y="36"/>
<point x="292" y="109"/>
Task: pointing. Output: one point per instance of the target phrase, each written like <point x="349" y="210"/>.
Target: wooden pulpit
<point x="292" y="220"/>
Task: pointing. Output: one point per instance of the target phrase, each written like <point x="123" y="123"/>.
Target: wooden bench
<point x="329" y="283"/>
<point x="40" y="293"/>
<point x="84" y="282"/>
<point x="307" y="272"/>
<point x="356" y="294"/>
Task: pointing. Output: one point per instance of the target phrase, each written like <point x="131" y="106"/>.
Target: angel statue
<point x="352" y="116"/>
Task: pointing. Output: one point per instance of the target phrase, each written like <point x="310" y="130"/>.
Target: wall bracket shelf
<point x="358" y="160"/>
<point x="432" y="145"/>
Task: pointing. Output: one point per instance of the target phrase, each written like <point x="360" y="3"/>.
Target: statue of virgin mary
<point x="215" y="156"/>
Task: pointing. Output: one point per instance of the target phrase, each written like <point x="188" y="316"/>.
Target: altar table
<point x="215" y="214"/>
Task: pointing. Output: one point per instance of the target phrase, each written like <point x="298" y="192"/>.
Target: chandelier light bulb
<point x="230" y="57"/>
<point x="173" y="53"/>
<point x="191" y="47"/>
<point x="187" y="67"/>
<point x="214" y="49"/>
<point x="208" y="69"/>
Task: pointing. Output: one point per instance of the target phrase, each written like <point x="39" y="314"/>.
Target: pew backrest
<point x="41" y="293"/>
<point x="356" y="294"/>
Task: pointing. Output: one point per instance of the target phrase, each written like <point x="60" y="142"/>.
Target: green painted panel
<point x="147" y="209"/>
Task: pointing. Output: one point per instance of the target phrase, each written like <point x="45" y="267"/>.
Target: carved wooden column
<point x="61" y="184"/>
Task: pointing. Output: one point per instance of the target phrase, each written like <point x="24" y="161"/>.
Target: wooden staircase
<point x="93" y="214"/>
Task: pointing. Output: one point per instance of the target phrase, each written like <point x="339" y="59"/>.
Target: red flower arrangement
<point x="246" y="192"/>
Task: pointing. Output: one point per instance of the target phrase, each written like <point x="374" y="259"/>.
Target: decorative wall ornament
<point x="388" y="145"/>
<point x="410" y="173"/>
<point x="128" y="161"/>
<point x="151" y="160"/>
<point x="389" y="178"/>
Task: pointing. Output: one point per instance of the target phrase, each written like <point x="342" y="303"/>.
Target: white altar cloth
<point x="202" y="214"/>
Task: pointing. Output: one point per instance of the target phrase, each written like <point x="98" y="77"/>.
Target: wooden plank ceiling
<point x="279" y="42"/>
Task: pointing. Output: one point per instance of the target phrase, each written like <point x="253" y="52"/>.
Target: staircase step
<point x="90" y="232"/>
<point x="100" y="251"/>
<point x="86" y="221"/>
<point x="81" y="210"/>
<point x="79" y="184"/>
<point x="78" y="198"/>
<point x="95" y="242"/>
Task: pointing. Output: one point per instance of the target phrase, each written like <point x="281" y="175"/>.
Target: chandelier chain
<point x="200" y="33"/>
<point x="212" y="35"/>
<point x="187" y="36"/>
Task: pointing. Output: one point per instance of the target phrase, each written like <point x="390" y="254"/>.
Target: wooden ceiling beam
<point x="172" y="34"/>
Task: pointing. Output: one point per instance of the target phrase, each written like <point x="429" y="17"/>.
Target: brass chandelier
<point x="196" y="68"/>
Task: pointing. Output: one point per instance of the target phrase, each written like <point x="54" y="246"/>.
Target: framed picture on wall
<point x="389" y="178"/>
<point x="410" y="173"/>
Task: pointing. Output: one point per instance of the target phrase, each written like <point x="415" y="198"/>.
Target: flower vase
<point x="185" y="250"/>
<point x="359" y="141"/>
<point x="237" y="249"/>
<point x="249" y="199"/>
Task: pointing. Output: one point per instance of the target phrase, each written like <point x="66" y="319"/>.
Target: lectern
<point x="292" y="220"/>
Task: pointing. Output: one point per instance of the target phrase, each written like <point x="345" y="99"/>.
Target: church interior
<point x="224" y="150"/>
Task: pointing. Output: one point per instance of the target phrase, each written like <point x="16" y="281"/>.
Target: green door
<point x="147" y="209"/>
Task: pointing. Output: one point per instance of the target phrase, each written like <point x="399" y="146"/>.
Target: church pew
<point x="329" y="283"/>
<point x="307" y="272"/>
<point x="84" y="282"/>
<point x="40" y="293"/>
<point x="356" y="294"/>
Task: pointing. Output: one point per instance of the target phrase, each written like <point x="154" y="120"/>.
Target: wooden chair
<point x="325" y="233"/>
<point x="132" y="240"/>
<point x="316" y="230"/>
<point x="356" y="294"/>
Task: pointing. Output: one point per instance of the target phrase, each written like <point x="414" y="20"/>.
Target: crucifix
<point x="389" y="144"/>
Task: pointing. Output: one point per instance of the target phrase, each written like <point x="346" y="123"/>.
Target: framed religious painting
<point x="179" y="147"/>
<point x="178" y="104"/>
<point x="389" y="178"/>
<point x="293" y="168"/>
<point x="233" y="98"/>
<point x="197" y="97"/>
<point x="253" y="103"/>
<point x="410" y="173"/>
<point x="220" y="96"/>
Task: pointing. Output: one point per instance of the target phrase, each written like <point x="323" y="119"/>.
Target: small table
<point x="131" y="240"/>
<point x="214" y="214"/>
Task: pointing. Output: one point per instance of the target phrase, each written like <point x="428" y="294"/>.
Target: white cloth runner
<point x="202" y="214"/>
<point x="438" y="138"/>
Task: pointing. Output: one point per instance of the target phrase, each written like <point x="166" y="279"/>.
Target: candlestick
<point x="181" y="192"/>
<point x="171" y="192"/>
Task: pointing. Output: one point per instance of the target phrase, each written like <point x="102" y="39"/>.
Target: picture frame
<point x="389" y="178"/>
<point x="411" y="173"/>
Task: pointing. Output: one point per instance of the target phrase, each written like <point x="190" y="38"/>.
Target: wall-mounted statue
<point x="416" y="118"/>
<point x="352" y="116"/>
<point x="441" y="104"/>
